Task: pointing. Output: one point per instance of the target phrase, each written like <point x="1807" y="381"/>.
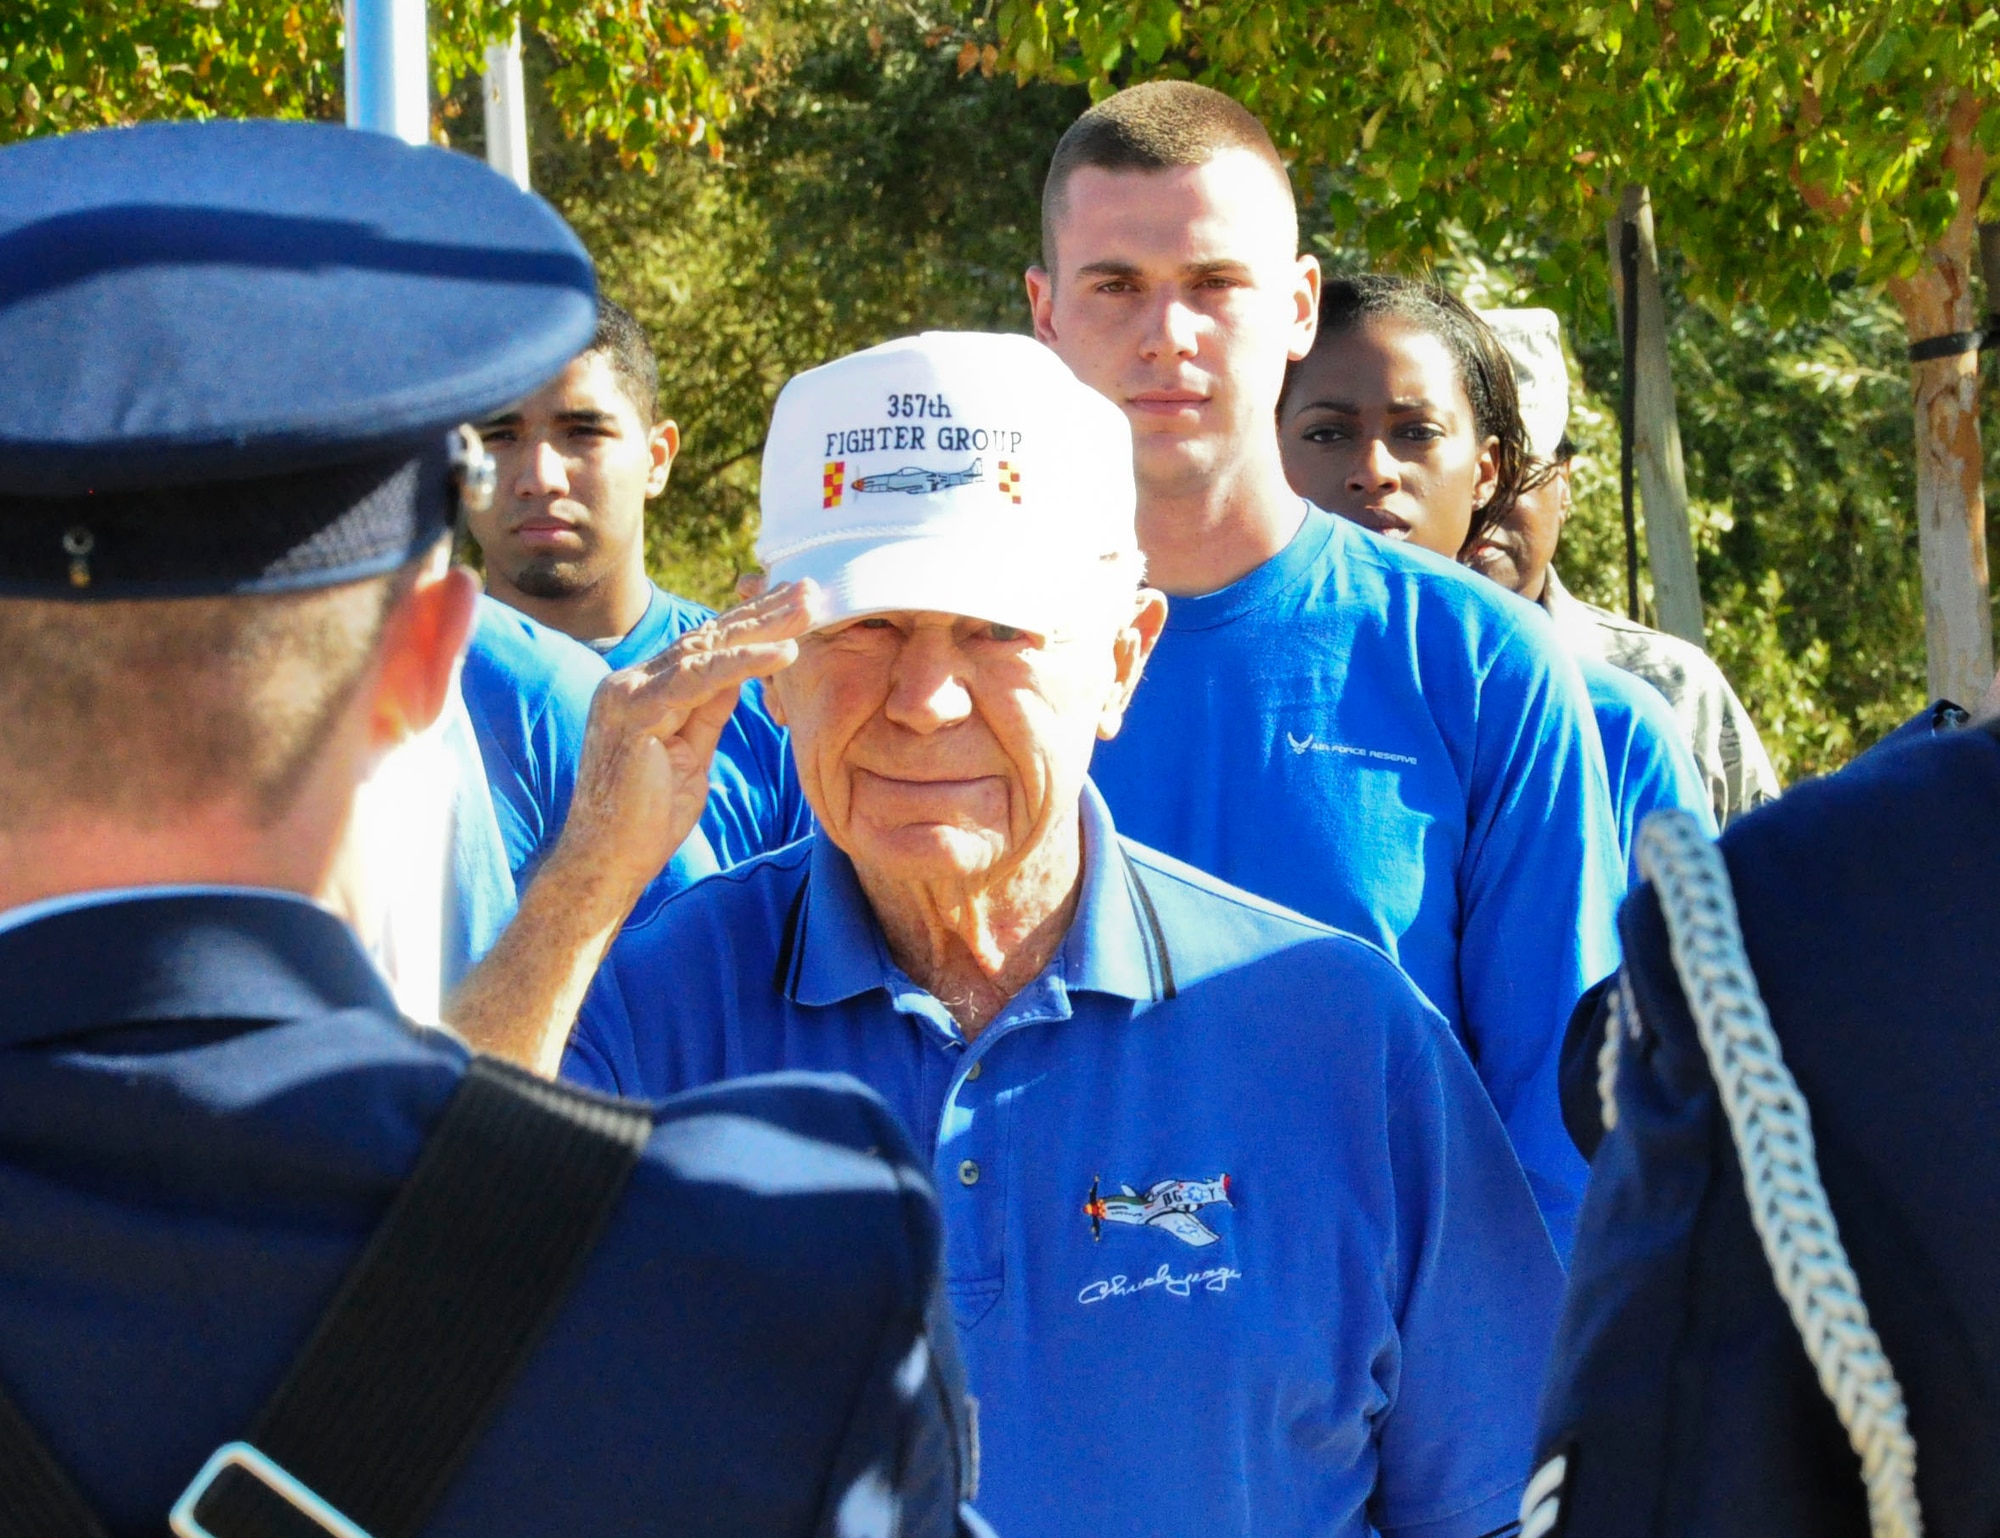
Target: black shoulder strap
<point x="402" y="1374"/>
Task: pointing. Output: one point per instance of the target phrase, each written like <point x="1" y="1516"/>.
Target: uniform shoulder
<point x="1611" y="619"/>
<point x="1843" y="871"/>
<point x="805" y="1176"/>
<point x="1907" y="802"/>
<point x="1641" y="648"/>
<point x="794" y="1226"/>
<point x="803" y="1132"/>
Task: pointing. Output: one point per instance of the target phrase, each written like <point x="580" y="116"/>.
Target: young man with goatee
<point x="1348" y="726"/>
<point x="565" y="543"/>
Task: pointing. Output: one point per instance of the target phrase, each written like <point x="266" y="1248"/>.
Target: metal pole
<point x="1628" y="404"/>
<point x="388" y="69"/>
<point x="507" y="110"/>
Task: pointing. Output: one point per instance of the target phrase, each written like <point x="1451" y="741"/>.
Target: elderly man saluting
<point x="1235" y="1241"/>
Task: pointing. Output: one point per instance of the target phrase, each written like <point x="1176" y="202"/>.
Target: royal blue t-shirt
<point x="479" y="896"/>
<point x="527" y="689"/>
<point x="1649" y="763"/>
<point x="754" y="802"/>
<point x="1233" y="1237"/>
<point x="1397" y="747"/>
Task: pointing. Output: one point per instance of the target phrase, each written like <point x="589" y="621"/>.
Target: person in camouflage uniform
<point x="1520" y="552"/>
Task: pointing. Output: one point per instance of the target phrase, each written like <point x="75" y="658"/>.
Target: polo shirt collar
<point x="832" y="948"/>
<point x="177" y="954"/>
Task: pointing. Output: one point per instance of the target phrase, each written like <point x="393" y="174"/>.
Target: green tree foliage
<point x="637" y="76"/>
<point x="877" y="183"/>
<point x="1798" y="450"/>
<point x="881" y="173"/>
<point x="1821" y="127"/>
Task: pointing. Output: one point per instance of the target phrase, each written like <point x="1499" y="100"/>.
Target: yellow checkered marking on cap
<point x="833" y="482"/>
<point x="1009" y="482"/>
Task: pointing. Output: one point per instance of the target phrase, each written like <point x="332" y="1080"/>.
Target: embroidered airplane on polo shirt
<point x="917" y="481"/>
<point x="1169" y="1205"/>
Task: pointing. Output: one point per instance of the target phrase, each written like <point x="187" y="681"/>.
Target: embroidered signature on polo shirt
<point x="1311" y="744"/>
<point x="1214" y="1279"/>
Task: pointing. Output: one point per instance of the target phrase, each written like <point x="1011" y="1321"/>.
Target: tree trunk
<point x="1657" y="439"/>
<point x="1951" y="500"/>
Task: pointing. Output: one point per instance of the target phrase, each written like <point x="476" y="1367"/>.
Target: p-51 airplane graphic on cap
<point x="1169" y="1204"/>
<point x="916" y="481"/>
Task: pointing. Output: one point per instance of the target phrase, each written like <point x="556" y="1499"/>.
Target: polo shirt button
<point x="968" y="1173"/>
<point x="975" y="1070"/>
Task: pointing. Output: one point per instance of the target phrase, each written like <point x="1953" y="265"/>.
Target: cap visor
<point x="1036" y="591"/>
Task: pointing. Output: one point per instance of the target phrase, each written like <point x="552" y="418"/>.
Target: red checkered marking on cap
<point x="1010" y="482"/>
<point x="832" y="482"/>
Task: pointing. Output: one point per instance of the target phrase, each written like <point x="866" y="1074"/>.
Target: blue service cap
<point x="236" y="354"/>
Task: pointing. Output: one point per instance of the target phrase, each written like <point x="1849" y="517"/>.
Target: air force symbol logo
<point x="1168" y="1205"/>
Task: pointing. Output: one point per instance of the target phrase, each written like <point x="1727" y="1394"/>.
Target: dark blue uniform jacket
<point x="1679" y="1386"/>
<point x="206" y="1104"/>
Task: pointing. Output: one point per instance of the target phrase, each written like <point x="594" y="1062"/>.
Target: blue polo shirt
<point x="527" y="690"/>
<point x="1397" y="747"/>
<point x="1648" y="762"/>
<point x="754" y="802"/>
<point x="1233" y="1238"/>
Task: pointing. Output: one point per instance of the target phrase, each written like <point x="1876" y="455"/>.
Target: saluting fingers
<point x="704" y="670"/>
<point x="784" y="613"/>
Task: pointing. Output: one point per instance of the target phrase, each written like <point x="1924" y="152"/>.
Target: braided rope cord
<point x="1772" y="1130"/>
<point x="1621" y="1009"/>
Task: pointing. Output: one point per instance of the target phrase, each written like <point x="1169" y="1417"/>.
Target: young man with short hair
<point x="565" y="543"/>
<point x="1362" y="732"/>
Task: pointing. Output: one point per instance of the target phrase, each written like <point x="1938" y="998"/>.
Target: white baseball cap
<point x="956" y="471"/>
<point x="1533" y="339"/>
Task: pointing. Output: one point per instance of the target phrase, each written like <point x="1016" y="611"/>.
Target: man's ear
<point x="663" y="442"/>
<point x="1131" y="647"/>
<point x="1305" y="300"/>
<point x="423" y="637"/>
<point x="774" y="699"/>
<point x="1042" y="303"/>
<point x="1489" y="474"/>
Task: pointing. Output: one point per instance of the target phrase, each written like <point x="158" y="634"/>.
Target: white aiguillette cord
<point x="1772" y="1130"/>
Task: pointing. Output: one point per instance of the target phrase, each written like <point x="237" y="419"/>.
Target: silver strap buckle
<point x="243" y="1456"/>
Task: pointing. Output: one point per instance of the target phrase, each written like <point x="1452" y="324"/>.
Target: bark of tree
<point x="1661" y="473"/>
<point x="1951" y="500"/>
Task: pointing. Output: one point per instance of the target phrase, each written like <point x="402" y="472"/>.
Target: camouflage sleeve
<point x="1748" y="780"/>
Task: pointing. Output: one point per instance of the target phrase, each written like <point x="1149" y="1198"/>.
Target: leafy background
<point x="769" y="185"/>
